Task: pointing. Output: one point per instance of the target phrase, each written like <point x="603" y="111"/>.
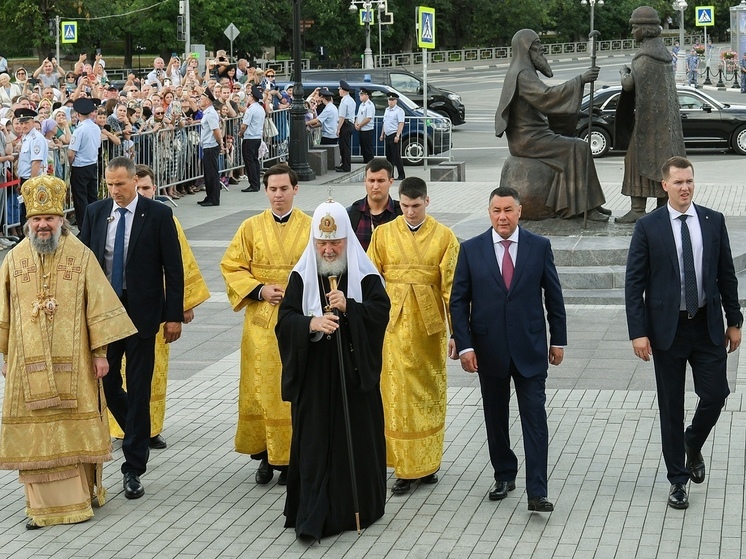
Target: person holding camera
<point x="157" y="74"/>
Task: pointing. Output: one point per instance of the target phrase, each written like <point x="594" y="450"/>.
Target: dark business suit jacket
<point x="500" y="324"/>
<point x="653" y="281"/>
<point x="153" y="268"/>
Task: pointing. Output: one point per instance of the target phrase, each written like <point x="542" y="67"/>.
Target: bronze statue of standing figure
<point x="648" y="123"/>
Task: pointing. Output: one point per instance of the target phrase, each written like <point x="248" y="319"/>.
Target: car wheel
<point x="600" y="141"/>
<point x="413" y="151"/>
<point x="738" y="143"/>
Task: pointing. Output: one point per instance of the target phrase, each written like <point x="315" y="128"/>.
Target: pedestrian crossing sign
<point x="705" y="16"/>
<point x="69" y="32"/>
<point x="425" y="27"/>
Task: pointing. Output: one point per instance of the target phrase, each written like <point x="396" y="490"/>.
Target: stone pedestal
<point x="317" y="160"/>
<point x="532" y="179"/>
<point x="333" y="159"/>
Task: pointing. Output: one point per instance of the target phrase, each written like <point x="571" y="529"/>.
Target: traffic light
<point x="180" y="32"/>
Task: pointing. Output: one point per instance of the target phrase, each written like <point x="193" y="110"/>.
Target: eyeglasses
<point x="160" y="113"/>
<point x="21" y="73"/>
<point x="270" y="75"/>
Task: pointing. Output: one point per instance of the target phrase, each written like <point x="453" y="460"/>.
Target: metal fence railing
<point x="174" y="154"/>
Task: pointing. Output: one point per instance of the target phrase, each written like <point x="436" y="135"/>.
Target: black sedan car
<point x="706" y="122"/>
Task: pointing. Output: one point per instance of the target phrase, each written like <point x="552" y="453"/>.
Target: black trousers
<point x="250" y="152"/>
<point x="367" y="138"/>
<point x="393" y="154"/>
<point x="212" y="174"/>
<point x="131" y="409"/>
<point x="345" y="145"/>
<point x="531" y="395"/>
<point x="84" y="186"/>
<point x="691" y="344"/>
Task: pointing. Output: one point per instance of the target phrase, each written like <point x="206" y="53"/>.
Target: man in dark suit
<point x="135" y="241"/>
<point x="500" y="332"/>
<point x="680" y="278"/>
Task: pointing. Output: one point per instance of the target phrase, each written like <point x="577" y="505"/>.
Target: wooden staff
<point x="346" y="409"/>
<point x="592" y="37"/>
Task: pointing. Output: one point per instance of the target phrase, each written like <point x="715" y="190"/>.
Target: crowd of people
<point x="153" y="120"/>
<point x="349" y="317"/>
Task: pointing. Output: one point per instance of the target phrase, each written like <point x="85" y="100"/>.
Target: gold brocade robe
<point x="53" y="418"/>
<point x="262" y="252"/>
<point x="195" y="293"/>
<point x="418" y="269"/>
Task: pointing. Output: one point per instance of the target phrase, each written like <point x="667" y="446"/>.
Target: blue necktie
<point x="691" y="295"/>
<point x="117" y="265"/>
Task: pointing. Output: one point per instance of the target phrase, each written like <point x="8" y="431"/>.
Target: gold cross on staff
<point x="69" y="268"/>
<point x="25" y="270"/>
<point x="329" y="190"/>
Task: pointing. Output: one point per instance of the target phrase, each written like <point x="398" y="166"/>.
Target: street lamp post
<point x="298" y="148"/>
<point x="367" y="6"/>
<point x="593" y="5"/>
<point x="381" y="10"/>
<point x="681" y="59"/>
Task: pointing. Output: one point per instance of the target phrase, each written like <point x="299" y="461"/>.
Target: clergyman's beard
<point x="45" y="246"/>
<point x="334" y="268"/>
<point x="540" y="63"/>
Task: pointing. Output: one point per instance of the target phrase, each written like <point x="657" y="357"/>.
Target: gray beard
<point x="45" y="246"/>
<point x="540" y="63"/>
<point x="336" y="268"/>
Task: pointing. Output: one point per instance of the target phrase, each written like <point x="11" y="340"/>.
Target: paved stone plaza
<point x="606" y="473"/>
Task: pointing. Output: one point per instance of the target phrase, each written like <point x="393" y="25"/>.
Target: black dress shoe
<point x="133" y="489"/>
<point x="500" y="490"/>
<point x="540" y="504"/>
<point x="202" y="201"/>
<point x="249" y="189"/>
<point x="695" y="464"/>
<point x="432" y="478"/>
<point x="601" y="209"/>
<point x="401" y="486"/>
<point x="264" y="473"/>
<point x="208" y="204"/>
<point x="677" y="498"/>
<point x="282" y="479"/>
<point x="157" y="442"/>
<point x="31" y="525"/>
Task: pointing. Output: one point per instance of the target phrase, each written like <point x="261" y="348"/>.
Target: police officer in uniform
<point x="83" y="156"/>
<point x="393" y="124"/>
<point x="345" y="126"/>
<point x="211" y="139"/>
<point x="365" y="123"/>
<point x="32" y="159"/>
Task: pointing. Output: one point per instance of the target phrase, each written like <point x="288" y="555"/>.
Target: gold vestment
<point x="262" y="252"/>
<point x="195" y="293"/>
<point x="418" y="268"/>
<point x="54" y="426"/>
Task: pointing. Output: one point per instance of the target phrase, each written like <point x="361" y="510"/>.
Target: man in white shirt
<point x="365" y="124"/>
<point x="345" y="126"/>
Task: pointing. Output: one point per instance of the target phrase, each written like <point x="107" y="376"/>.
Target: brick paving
<point x="606" y="473"/>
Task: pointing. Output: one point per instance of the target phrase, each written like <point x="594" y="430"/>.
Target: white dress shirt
<point x="695" y="234"/>
<point x="111" y="233"/>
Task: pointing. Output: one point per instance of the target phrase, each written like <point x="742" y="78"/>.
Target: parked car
<point x="706" y="122"/>
<point x="439" y="133"/>
<point x="442" y="101"/>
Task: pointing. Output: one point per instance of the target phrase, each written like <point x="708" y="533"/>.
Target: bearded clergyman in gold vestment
<point x="58" y="313"/>
<point x="195" y="293"/>
<point x="256" y="267"/>
<point x="417" y="257"/>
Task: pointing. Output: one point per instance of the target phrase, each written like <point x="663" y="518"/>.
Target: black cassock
<point x="319" y="491"/>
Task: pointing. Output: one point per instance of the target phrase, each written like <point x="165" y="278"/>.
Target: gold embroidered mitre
<point x="44" y="195"/>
